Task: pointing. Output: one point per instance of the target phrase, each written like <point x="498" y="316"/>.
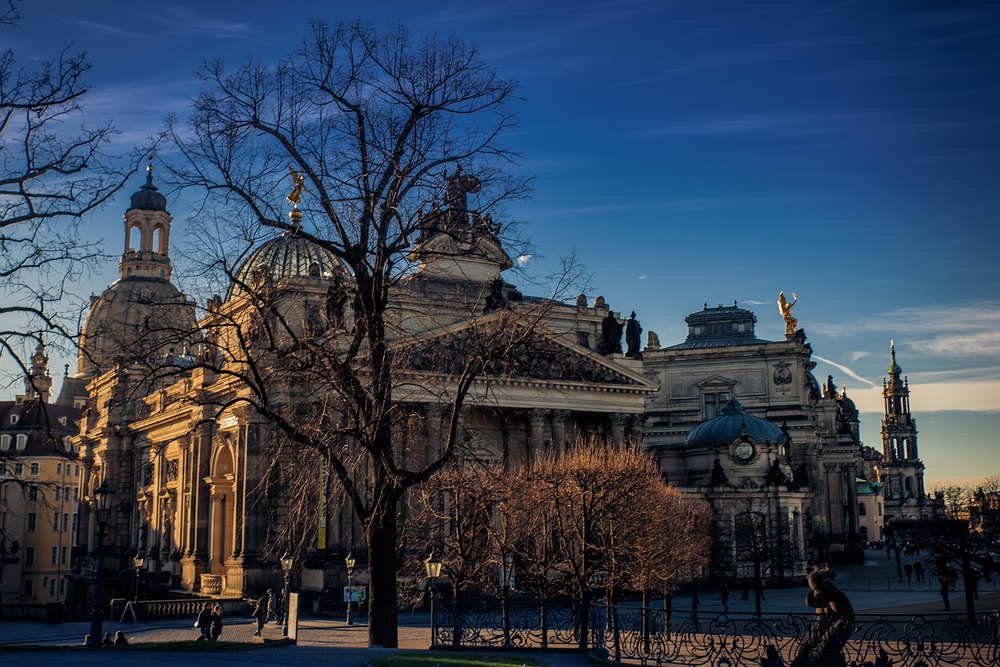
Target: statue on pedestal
<point x="791" y="324"/>
<point x="611" y="335"/>
<point x="633" y="333"/>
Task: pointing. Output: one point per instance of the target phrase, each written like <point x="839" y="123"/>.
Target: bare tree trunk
<point x="381" y="534"/>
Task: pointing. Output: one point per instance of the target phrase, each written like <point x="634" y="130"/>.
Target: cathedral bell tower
<point x="901" y="469"/>
<point x="147" y="234"/>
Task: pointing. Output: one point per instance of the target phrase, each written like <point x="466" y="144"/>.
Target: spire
<point x="38" y="383"/>
<point x="893" y="370"/>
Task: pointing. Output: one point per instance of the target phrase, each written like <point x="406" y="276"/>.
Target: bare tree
<point x="50" y="176"/>
<point x="604" y="505"/>
<point x="368" y="121"/>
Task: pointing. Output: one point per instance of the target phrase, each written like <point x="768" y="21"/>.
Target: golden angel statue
<point x="791" y="324"/>
<point x="295" y="196"/>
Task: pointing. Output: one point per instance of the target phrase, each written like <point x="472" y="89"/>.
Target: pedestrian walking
<point x="945" y="581"/>
<point x="216" y="622"/>
<point x="908" y="569"/>
<point x="260" y="613"/>
<point x="724" y="591"/>
<point x="280" y="611"/>
<point x="204" y="622"/>
<point x="745" y="583"/>
<point x="918" y="570"/>
<point x="758" y="583"/>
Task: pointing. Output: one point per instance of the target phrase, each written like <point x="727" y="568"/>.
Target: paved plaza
<point x="872" y="588"/>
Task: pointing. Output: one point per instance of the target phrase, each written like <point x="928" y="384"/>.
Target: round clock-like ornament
<point x="743" y="451"/>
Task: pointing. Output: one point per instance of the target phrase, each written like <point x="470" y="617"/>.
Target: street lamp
<point x="138" y="561"/>
<point x="433" y="567"/>
<point x="350" y="561"/>
<point x="102" y="500"/>
<point x="286" y="568"/>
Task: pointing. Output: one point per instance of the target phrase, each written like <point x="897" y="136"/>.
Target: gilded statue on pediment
<point x="791" y="324"/>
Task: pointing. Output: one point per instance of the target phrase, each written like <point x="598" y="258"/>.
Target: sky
<point x="689" y="153"/>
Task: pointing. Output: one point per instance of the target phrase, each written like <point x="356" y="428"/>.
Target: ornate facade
<point x="743" y="422"/>
<point x="733" y="419"/>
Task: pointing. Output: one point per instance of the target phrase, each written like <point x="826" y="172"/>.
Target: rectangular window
<point x="52" y="588"/>
<point x="32" y="494"/>
<point x="76" y="521"/>
<point x="29" y="588"/>
<point x="76" y="471"/>
<point x="58" y="469"/>
<point x="62" y="586"/>
<point x="58" y="494"/>
<point x="32" y="521"/>
<point x="3" y="520"/>
<point x="861" y="510"/>
<point x="714" y="402"/>
<point x="880" y="509"/>
<point x="55" y="555"/>
<point x="76" y="493"/>
<point x="29" y="556"/>
<point x="62" y="555"/>
<point x="18" y="469"/>
<point x="66" y="493"/>
<point x="3" y="467"/>
<point x="65" y="521"/>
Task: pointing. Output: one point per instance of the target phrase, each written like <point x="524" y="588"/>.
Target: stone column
<point x="433" y="412"/>
<point x="536" y="436"/>
<point x="559" y="418"/>
<point x="618" y="420"/>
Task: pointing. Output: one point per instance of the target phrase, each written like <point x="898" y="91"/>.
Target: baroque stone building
<point x="39" y="490"/>
<point x="193" y="467"/>
<point x="742" y="422"/>
<point x="736" y="420"/>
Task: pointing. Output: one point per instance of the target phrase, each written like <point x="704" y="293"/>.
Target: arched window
<point x="158" y="241"/>
<point x="22" y="441"/>
<point x="134" y="238"/>
<point x="908" y="485"/>
<point x="5" y="442"/>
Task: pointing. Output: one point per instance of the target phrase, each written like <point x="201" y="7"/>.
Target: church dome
<point x="847" y="406"/>
<point x="136" y="319"/>
<point x="286" y="256"/>
<point x="148" y="197"/>
<point x="729" y="426"/>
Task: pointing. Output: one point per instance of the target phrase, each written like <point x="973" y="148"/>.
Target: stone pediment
<point x="540" y="356"/>
<point x="716" y="381"/>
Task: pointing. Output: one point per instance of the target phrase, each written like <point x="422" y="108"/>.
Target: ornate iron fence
<point x="655" y="637"/>
<point x="515" y="622"/>
<point x="635" y="635"/>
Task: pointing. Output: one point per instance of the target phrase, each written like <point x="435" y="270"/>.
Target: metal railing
<point x="654" y="636"/>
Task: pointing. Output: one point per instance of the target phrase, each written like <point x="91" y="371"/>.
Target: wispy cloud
<point x="752" y="302"/>
<point x="948" y="331"/>
<point x="642" y="277"/>
<point x="522" y="260"/>
<point x="183" y="21"/>
<point x="858" y="354"/>
<point x="105" y="29"/>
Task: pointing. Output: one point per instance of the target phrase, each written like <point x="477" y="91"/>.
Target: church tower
<point x="901" y="469"/>
<point x="147" y="234"/>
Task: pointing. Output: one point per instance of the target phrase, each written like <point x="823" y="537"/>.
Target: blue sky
<point x="693" y="152"/>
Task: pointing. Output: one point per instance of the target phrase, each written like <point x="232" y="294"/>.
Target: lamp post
<point x="433" y="567"/>
<point x="350" y="561"/>
<point x="103" y="495"/>
<point x="286" y="568"/>
<point x="137" y="561"/>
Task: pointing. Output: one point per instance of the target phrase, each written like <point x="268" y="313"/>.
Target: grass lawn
<point x="425" y="659"/>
